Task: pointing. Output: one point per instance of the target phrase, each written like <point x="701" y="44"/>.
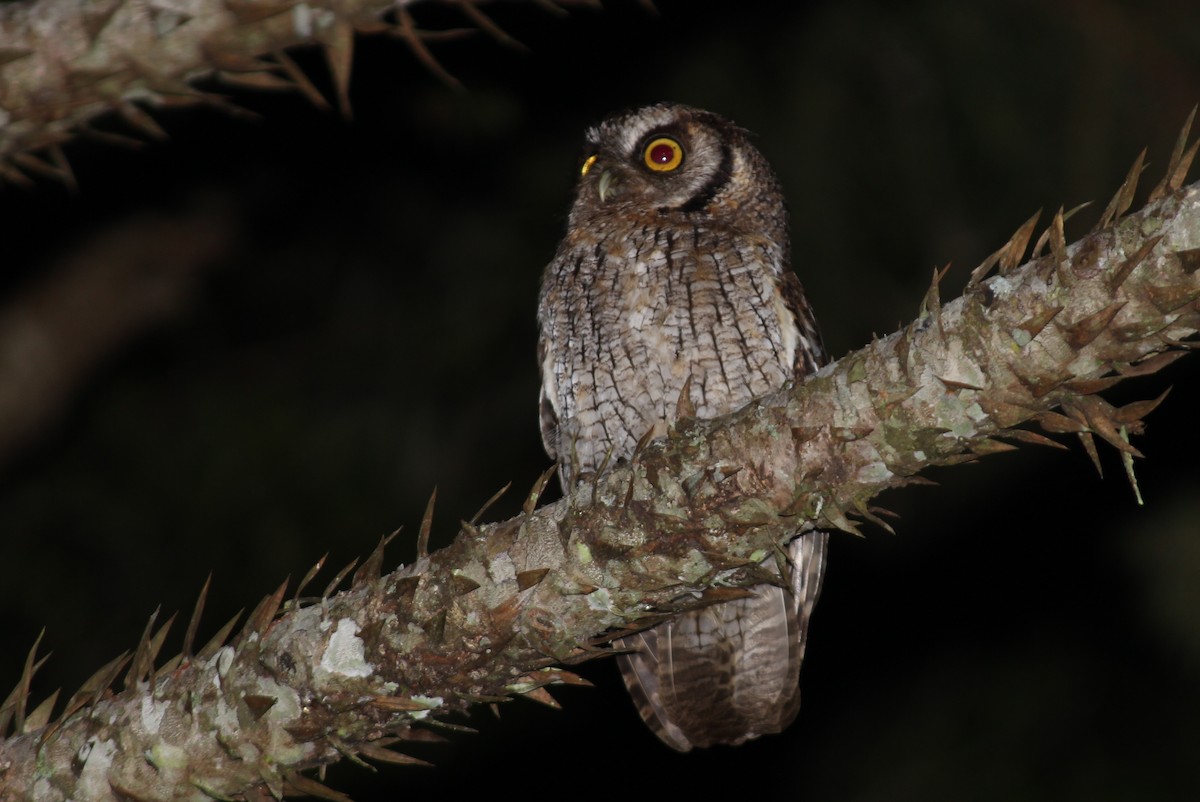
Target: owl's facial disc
<point x="666" y="158"/>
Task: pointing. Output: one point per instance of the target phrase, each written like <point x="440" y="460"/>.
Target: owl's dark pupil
<point x="662" y="154"/>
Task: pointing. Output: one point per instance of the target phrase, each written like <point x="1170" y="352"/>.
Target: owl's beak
<point x="606" y="184"/>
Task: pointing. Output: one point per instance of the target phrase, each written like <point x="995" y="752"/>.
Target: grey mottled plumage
<point x="674" y="273"/>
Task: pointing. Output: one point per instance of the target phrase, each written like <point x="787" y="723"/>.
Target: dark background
<point x="369" y="333"/>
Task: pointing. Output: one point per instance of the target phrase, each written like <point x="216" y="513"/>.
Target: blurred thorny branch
<point x="309" y="680"/>
<point x="65" y="65"/>
<point x="94" y="300"/>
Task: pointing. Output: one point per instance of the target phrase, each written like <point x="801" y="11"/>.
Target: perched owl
<point x="674" y="274"/>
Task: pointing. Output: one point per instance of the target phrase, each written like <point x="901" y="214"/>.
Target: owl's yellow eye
<point x="587" y="165"/>
<point x="663" y="154"/>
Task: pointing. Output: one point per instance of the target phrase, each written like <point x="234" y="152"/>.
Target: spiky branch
<point x="688" y="522"/>
<point x="64" y="63"/>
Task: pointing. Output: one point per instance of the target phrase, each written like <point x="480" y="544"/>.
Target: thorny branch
<point x="686" y="523"/>
<point x="64" y="63"/>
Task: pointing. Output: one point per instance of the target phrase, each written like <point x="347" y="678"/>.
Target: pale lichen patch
<point x="346" y="653"/>
<point x="431" y="703"/>
<point x="225" y="720"/>
<point x="152" y="713"/>
<point x="167" y="757"/>
<point x="223" y="659"/>
<point x="93" y="778"/>
<point x="583" y="553"/>
<point x="287" y="701"/>
<point x="1001" y="286"/>
<point x="501" y="569"/>
<point x="302" y="20"/>
<point x="600" y="600"/>
<point x="874" y="473"/>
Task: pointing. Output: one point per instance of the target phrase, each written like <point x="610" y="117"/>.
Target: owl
<point x="673" y="277"/>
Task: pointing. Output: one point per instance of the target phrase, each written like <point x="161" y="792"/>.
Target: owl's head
<point x="670" y="159"/>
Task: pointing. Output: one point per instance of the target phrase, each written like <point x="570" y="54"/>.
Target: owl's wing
<point x="548" y="400"/>
<point x="730" y="672"/>
<point x="810" y="349"/>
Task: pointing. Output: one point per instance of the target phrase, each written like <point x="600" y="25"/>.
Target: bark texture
<point x="63" y="63"/>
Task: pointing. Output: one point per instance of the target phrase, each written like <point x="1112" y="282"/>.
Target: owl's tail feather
<point x="730" y="672"/>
